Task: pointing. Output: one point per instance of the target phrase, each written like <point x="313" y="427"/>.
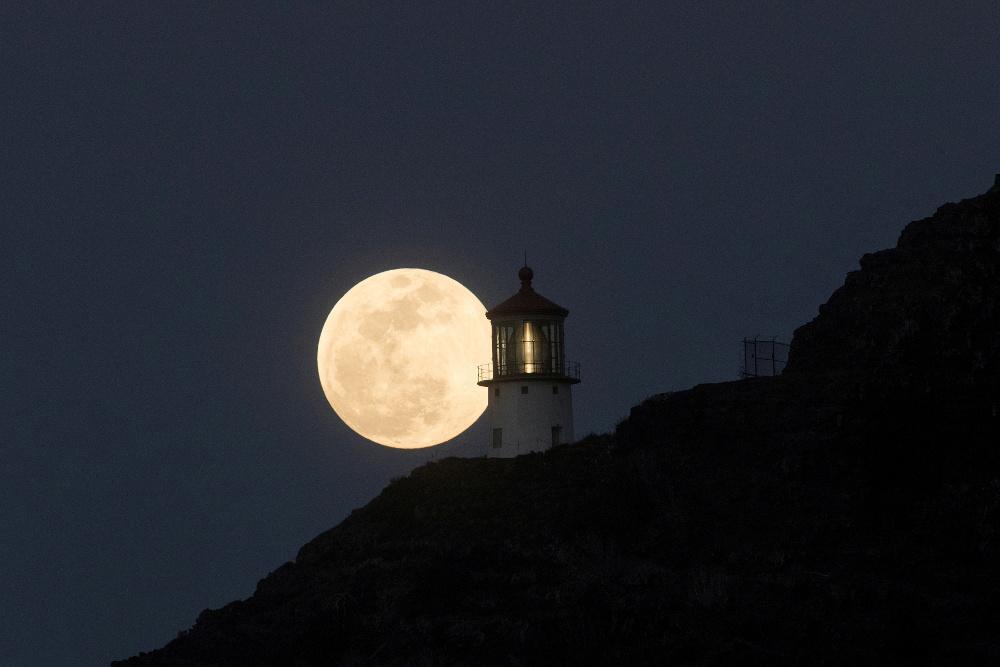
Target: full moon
<point x="398" y="354"/>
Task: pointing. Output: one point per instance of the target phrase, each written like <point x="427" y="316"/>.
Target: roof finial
<point x="525" y="275"/>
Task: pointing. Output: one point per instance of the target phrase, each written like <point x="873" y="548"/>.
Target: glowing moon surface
<point x="398" y="355"/>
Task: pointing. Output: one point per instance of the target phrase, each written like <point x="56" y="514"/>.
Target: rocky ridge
<point x="848" y="510"/>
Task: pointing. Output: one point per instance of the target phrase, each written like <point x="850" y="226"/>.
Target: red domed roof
<point x="527" y="301"/>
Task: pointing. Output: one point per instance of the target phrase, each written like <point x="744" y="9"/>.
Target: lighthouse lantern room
<point x="530" y="405"/>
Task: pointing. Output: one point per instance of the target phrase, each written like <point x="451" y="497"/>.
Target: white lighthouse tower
<point x="529" y="380"/>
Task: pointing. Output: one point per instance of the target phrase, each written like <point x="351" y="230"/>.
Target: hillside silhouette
<point x="845" y="511"/>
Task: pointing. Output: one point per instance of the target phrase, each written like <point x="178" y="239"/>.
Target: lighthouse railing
<point x="570" y="369"/>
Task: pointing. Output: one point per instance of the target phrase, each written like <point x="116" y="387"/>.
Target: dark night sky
<point x="188" y="188"/>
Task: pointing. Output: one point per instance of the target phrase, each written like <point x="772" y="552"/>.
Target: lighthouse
<point x="530" y="406"/>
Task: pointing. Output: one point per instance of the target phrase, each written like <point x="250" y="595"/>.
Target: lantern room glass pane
<point x="533" y="347"/>
<point x="502" y="335"/>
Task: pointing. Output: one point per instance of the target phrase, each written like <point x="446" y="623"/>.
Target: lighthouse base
<point x="528" y="415"/>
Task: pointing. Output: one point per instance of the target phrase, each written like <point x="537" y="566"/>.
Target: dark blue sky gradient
<point x="187" y="188"/>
